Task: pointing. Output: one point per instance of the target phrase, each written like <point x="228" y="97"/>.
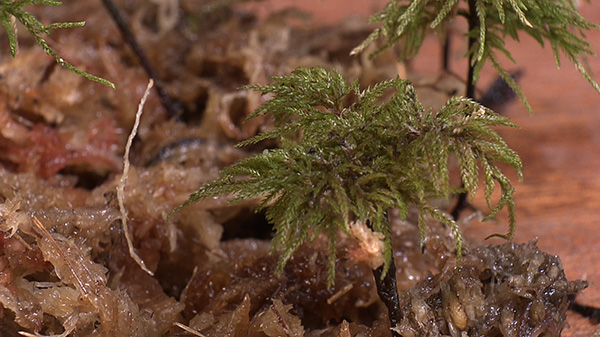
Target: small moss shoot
<point x="10" y="11"/>
<point x="350" y="154"/>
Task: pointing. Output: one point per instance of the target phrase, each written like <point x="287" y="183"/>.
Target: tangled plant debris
<point x="65" y="266"/>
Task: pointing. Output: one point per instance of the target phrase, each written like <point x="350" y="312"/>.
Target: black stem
<point x="590" y="312"/>
<point x="388" y="293"/>
<point x="462" y="202"/>
<point x="473" y="24"/>
<point x="166" y="101"/>
<point x="387" y="290"/>
<point x="446" y="52"/>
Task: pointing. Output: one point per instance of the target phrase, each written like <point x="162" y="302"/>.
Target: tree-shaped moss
<point x="350" y="154"/>
<point x="13" y="10"/>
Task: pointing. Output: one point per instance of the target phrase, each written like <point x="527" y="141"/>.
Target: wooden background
<point x="558" y="200"/>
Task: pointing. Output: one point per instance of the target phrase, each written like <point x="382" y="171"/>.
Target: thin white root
<point x="188" y="329"/>
<point x="121" y="186"/>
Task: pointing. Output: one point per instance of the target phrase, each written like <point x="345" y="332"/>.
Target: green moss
<point x="13" y="10"/>
<point x="347" y="154"/>
<point x="553" y="22"/>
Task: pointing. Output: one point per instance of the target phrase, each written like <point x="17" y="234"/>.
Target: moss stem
<point x="388" y="293"/>
<point x="473" y="20"/>
<point x="473" y="24"/>
<point x="387" y="290"/>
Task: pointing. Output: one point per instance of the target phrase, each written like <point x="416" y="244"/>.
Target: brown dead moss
<point x="61" y="145"/>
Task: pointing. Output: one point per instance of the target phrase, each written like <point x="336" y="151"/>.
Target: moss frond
<point x="13" y="10"/>
<point x="553" y="22"/>
<point x="356" y="154"/>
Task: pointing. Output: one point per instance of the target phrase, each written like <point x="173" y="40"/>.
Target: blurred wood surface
<point x="558" y="201"/>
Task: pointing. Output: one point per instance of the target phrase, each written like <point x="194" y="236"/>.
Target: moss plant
<point x="13" y="10"/>
<point x="348" y="154"/>
<point x="491" y="22"/>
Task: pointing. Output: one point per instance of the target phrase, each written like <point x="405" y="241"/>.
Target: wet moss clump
<point x="503" y="290"/>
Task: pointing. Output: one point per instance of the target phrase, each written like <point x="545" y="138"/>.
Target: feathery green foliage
<point x="555" y="22"/>
<point x="13" y="10"/>
<point x="350" y="154"/>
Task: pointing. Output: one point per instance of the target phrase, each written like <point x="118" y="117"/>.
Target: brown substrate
<point x="61" y="144"/>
